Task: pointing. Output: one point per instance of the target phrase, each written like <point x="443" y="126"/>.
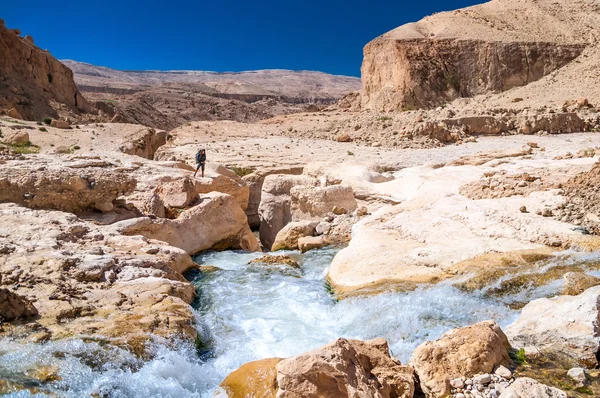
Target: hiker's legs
<point x="197" y="170"/>
<point x="202" y="170"/>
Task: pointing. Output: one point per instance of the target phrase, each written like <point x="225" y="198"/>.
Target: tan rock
<point x="275" y="205"/>
<point x="563" y="326"/>
<point x="60" y="124"/>
<point x="179" y="193"/>
<point x="578" y="282"/>
<point x="287" y="238"/>
<point x="215" y="222"/>
<point x="257" y="379"/>
<point x="316" y="202"/>
<point x="524" y="387"/>
<point x="17" y="137"/>
<point x="220" y="179"/>
<point x="307" y="243"/>
<point x="144" y="142"/>
<point x="467" y="351"/>
<point x="345" y="368"/>
<point x="343" y="137"/>
<point x="13" y="306"/>
<point x="14" y="113"/>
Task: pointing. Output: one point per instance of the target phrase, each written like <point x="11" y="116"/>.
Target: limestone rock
<point x="287" y="238"/>
<point x="179" y="193"/>
<point x="16" y="138"/>
<point x="565" y="326"/>
<point x="345" y="368"/>
<point x="13" y="306"/>
<point x="216" y="222"/>
<point x="220" y="179"/>
<point x="257" y="379"/>
<point x="307" y="243"/>
<point x="475" y="349"/>
<point x="255" y="183"/>
<point x="275" y="205"/>
<point x="524" y="387"/>
<point x="36" y="79"/>
<point x="316" y="202"/>
<point x="60" y="124"/>
<point x="14" y="113"/>
<point x="62" y="188"/>
<point x="144" y="142"/>
<point x="578" y="282"/>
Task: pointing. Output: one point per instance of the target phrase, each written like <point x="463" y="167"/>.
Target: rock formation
<point x="33" y="81"/>
<point x="345" y="368"/>
<point x="487" y="48"/>
<point x="524" y="387"/>
<point x="468" y="351"/>
<point x="563" y="326"/>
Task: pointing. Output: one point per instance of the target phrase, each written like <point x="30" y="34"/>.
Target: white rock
<point x="577" y="374"/>
<point x="502" y="371"/>
<point x="525" y="387"/>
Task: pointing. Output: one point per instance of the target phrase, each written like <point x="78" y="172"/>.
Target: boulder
<point x="225" y="183"/>
<point x="257" y="379"/>
<point x="178" y="194"/>
<point x="216" y="222"/>
<point x="60" y="124"/>
<point x="13" y="306"/>
<point x="578" y="282"/>
<point x="287" y="238"/>
<point x="307" y="243"/>
<point x="14" y="113"/>
<point x="316" y="202"/>
<point x="524" y="387"/>
<point x="345" y="368"/>
<point x="143" y="142"/>
<point x="275" y="205"/>
<point x="475" y="349"/>
<point x="562" y="326"/>
<point x="16" y="138"/>
<point x="255" y="183"/>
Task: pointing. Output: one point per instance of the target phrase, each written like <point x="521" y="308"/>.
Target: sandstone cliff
<point x="491" y="47"/>
<point x="32" y="81"/>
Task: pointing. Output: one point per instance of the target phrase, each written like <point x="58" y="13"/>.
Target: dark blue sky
<point x="219" y="35"/>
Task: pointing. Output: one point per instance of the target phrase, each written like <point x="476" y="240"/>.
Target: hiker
<point x="200" y="160"/>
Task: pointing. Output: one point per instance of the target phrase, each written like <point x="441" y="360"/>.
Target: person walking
<point x="200" y="161"/>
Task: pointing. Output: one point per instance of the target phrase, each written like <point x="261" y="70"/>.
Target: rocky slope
<point x="34" y="83"/>
<point x="487" y="48"/>
<point x="167" y="99"/>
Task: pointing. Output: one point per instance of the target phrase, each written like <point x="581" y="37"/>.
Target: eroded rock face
<point x="275" y="206"/>
<point x="563" y="326"/>
<point x="68" y="189"/>
<point x="287" y="238"/>
<point x="144" y="143"/>
<point x="400" y="73"/>
<point x="13" y="306"/>
<point x="524" y="387"/>
<point x="217" y="222"/>
<point x="316" y="202"/>
<point x="34" y="79"/>
<point x="345" y="368"/>
<point x="86" y="280"/>
<point x="467" y="351"/>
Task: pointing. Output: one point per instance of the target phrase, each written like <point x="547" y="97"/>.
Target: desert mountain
<point x="33" y="82"/>
<point x="166" y="99"/>
<point x="488" y="48"/>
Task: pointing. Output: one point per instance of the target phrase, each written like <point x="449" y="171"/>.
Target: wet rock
<point x="287" y="238"/>
<point x="257" y="379"/>
<point x="578" y="282"/>
<point x="345" y="368"/>
<point x="307" y="243"/>
<point x="467" y="351"/>
<point x="275" y="260"/>
<point x="564" y="326"/>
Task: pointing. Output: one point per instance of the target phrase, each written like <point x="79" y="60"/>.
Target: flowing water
<point x="248" y="312"/>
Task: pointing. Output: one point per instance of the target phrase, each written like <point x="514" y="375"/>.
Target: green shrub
<point x="241" y="171"/>
<point x="42" y="128"/>
<point x="47" y="120"/>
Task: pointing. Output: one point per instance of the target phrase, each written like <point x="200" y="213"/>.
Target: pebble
<point x="457" y="383"/>
<point x="503" y="372"/>
<point x="482" y="379"/>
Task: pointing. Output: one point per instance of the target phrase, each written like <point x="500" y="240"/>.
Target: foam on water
<point x="248" y="312"/>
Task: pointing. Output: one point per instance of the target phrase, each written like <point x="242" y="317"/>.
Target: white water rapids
<point x="248" y="312"/>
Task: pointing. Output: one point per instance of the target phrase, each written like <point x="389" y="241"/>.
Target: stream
<point x="249" y="312"/>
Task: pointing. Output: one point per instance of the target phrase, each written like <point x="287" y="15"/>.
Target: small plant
<point x="24" y="149"/>
<point x="408" y="108"/>
<point x="384" y="118"/>
<point x="76" y="147"/>
<point x="518" y="356"/>
<point x="241" y="171"/>
<point x="47" y="120"/>
<point x="350" y="153"/>
<point x="42" y="129"/>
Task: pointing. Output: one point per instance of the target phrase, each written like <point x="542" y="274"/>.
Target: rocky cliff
<point x="32" y="81"/>
<point x="487" y="48"/>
